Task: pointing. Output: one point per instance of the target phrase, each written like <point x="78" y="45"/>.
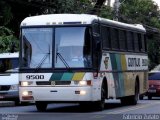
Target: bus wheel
<point x="131" y="100"/>
<point x="99" y="105"/>
<point x="134" y="99"/>
<point x="41" y="106"/>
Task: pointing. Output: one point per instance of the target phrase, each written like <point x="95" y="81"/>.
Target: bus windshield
<point x="71" y="45"/>
<point x="37" y="47"/>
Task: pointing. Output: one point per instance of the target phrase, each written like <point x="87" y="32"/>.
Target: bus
<point x="81" y="58"/>
<point x="9" y="78"/>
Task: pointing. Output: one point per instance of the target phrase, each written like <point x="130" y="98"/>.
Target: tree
<point x="7" y="38"/>
<point x="8" y="42"/>
<point x="140" y="11"/>
<point x="144" y="12"/>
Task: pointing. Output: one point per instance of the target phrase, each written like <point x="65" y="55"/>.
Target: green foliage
<point x="140" y="11"/>
<point x="5" y="13"/>
<point x="7" y="40"/>
<point x="106" y="12"/>
<point x="70" y="6"/>
<point x="153" y="52"/>
<point x="145" y="12"/>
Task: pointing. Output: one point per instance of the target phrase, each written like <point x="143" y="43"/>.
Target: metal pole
<point x="116" y="8"/>
<point x="109" y="3"/>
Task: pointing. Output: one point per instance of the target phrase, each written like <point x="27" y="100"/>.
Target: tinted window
<point x="143" y="43"/>
<point x="136" y="42"/>
<point x="154" y="76"/>
<point x="114" y="40"/>
<point x="122" y="39"/>
<point x="130" y="41"/>
<point x="105" y="37"/>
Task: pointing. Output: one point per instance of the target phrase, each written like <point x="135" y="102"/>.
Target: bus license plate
<point x="152" y="91"/>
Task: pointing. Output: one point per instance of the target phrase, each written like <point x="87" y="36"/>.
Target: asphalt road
<point x="145" y="109"/>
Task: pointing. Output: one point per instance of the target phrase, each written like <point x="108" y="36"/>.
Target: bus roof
<point x="61" y="19"/>
<point x="9" y="55"/>
<point x="58" y="19"/>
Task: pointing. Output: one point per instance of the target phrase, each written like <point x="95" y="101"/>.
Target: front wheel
<point x="41" y="106"/>
<point x="99" y="105"/>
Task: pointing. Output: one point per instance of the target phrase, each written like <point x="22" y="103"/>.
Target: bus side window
<point x="136" y="43"/>
<point x="140" y="42"/>
<point x="106" y="39"/>
<point x="122" y="40"/>
<point x="114" y="39"/>
<point x="130" y="42"/>
<point x="143" y="43"/>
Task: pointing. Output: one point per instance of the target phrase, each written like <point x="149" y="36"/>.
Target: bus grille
<point x="55" y="83"/>
<point x="4" y="87"/>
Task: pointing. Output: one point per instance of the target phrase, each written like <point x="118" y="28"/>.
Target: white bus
<point x="81" y="58"/>
<point x="9" y="63"/>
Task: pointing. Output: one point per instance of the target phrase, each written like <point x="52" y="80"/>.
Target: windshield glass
<point x="72" y="47"/>
<point x="37" y="47"/>
<point x="8" y="64"/>
<point x="154" y="76"/>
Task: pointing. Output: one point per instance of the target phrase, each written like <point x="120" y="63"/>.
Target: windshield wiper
<point x="42" y="61"/>
<point x="63" y="60"/>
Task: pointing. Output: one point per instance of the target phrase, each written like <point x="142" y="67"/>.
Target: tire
<point x="135" y="97"/>
<point x="100" y="105"/>
<point x="41" y="106"/>
<point x="131" y="100"/>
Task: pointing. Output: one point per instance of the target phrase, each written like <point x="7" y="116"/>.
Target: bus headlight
<point x="25" y="83"/>
<point x="84" y="83"/>
<point x="82" y="92"/>
<point x="27" y="93"/>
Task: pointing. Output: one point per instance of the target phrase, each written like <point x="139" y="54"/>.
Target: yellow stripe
<point x="123" y="62"/>
<point x="78" y="76"/>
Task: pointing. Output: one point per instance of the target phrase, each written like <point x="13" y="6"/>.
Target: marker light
<point x="25" y="83"/>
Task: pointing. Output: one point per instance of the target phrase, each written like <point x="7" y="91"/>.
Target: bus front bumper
<point x="61" y="94"/>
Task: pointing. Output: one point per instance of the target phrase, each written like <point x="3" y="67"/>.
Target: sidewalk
<point x="6" y="103"/>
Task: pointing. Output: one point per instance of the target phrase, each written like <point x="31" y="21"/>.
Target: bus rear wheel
<point x="41" y="106"/>
<point x="131" y="100"/>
